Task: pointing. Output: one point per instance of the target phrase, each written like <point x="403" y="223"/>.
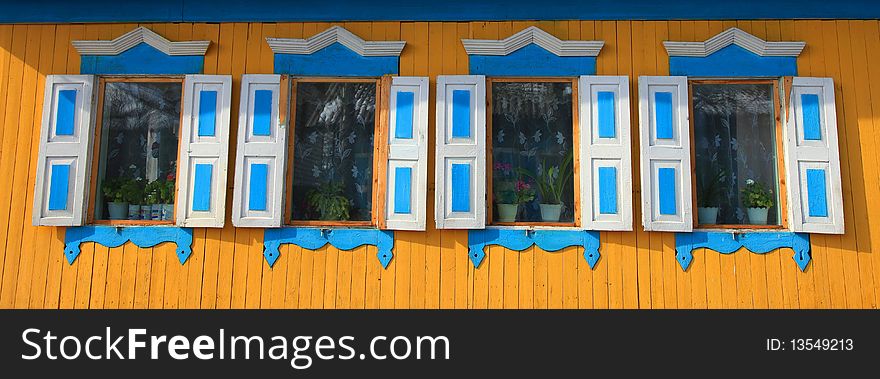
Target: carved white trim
<point x="330" y="36"/>
<point x="734" y="36"/>
<point x="137" y="36"/>
<point x="530" y="35"/>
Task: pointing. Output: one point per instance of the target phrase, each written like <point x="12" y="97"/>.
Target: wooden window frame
<point x="780" y="156"/>
<point x="576" y="179"/>
<point x="288" y="95"/>
<point x="96" y="151"/>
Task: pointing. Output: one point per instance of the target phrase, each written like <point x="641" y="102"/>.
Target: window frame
<point x="287" y="114"/>
<point x="576" y="177"/>
<point x="96" y="150"/>
<point x="782" y="191"/>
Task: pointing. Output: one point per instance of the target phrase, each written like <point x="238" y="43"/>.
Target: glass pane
<point x="139" y="141"/>
<point x="333" y="151"/>
<point x="735" y="143"/>
<point x="532" y="161"/>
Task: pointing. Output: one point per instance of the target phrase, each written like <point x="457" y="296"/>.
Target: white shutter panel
<point x="461" y="152"/>
<point x="260" y="155"/>
<point x="407" y="154"/>
<point x="63" y="166"/>
<point x="665" y="153"/>
<point x="812" y="159"/>
<point x="605" y="167"/>
<point x="204" y="148"/>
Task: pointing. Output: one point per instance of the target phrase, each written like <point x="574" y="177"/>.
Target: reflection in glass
<point x="735" y="144"/>
<point x="138" y="151"/>
<point x="333" y="151"/>
<point x="532" y="158"/>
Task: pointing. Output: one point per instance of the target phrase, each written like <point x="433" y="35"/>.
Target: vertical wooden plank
<point x="872" y="47"/>
<point x="451" y="45"/>
<point x="422" y="55"/>
<point x="640" y="40"/>
<point x="292" y="289"/>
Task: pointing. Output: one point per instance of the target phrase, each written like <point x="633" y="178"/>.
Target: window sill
<point x="743" y="229"/>
<point x="130" y="223"/>
<point x="314" y="238"/>
<point x="758" y="242"/>
<point x="561" y="227"/>
<point x="115" y="236"/>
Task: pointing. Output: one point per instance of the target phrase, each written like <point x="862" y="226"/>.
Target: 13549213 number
<point x="822" y="344"/>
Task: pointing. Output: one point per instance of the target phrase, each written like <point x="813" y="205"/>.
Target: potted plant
<point x="709" y="198"/>
<point x="551" y="182"/>
<point x="329" y="202"/>
<point x="757" y="201"/>
<point x="117" y="207"/>
<point x="167" y="196"/>
<point x="133" y="193"/>
<point x="505" y="196"/>
<point x="153" y="192"/>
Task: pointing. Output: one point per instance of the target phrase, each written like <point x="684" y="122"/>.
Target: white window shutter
<point x="812" y="159"/>
<point x="64" y="161"/>
<point x="605" y="151"/>
<point x="407" y="154"/>
<point x="461" y="152"/>
<point x="204" y="149"/>
<point x="665" y="153"/>
<point x="260" y="155"/>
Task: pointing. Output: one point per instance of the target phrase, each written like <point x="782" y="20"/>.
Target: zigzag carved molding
<point x="733" y="36"/>
<point x="330" y="36"/>
<point x="137" y="36"/>
<point x="534" y="35"/>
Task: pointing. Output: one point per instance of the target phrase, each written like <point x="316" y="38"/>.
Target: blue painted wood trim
<point x="817" y="199"/>
<point x="531" y="60"/>
<point x="65" y="112"/>
<point x="461" y="113"/>
<point x="607" y="190"/>
<point x="606" y="114"/>
<point x="450" y="10"/>
<point x="257" y="191"/>
<point x="666" y="186"/>
<point x="663" y="115"/>
<point x="59" y="185"/>
<point x="519" y="240"/>
<point x="142" y="59"/>
<point x="733" y="61"/>
<point x="315" y="238"/>
<point x="403" y="190"/>
<point x="461" y="187"/>
<point x="811" y="116"/>
<point x="403" y="128"/>
<point x="141" y="236"/>
<point x="201" y="191"/>
<point x="335" y="60"/>
<point x="756" y="242"/>
<point x="207" y="113"/>
<point x="262" y="121"/>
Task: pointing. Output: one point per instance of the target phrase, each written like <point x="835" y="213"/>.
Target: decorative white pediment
<point x="137" y="36"/>
<point x="733" y="36"/>
<point x="531" y="35"/>
<point x="330" y="36"/>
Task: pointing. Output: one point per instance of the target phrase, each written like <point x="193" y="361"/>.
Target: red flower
<point x="170" y="177"/>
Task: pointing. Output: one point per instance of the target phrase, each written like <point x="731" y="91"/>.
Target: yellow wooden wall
<point x="431" y="269"/>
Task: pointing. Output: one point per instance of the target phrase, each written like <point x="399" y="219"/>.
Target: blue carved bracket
<point x="315" y="238"/>
<point x="519" y="240"/>
<point x="757" y="242"/>
<point x="142" y="236"/>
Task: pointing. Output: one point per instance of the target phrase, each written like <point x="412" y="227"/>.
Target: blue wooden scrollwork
<point x="315" y="238"/>
<point x="519" y="240"/>
<point x="141" y="236"/>
<point x="726" y="243"/>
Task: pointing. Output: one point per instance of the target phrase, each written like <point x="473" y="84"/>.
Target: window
<point x="332" y="152"/>
<point x="737" y="154"/>
<point x="532" y="175"/>
<point x="135" y="161"/>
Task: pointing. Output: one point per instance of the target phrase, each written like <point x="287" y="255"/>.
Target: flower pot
<point x="117" y="211"/>
<point x="167" y="211"/>
<point x="156" y="212"/>
<point x="507" y="212"/>
<point x="707" y="215"/>
<point x="134" y="212"/>
<point x="146" y="211"/>
<point x="550" y="212"/>
<point x="757" y="216"/>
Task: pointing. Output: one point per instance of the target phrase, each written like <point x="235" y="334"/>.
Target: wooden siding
<point x="431" y="269"/>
